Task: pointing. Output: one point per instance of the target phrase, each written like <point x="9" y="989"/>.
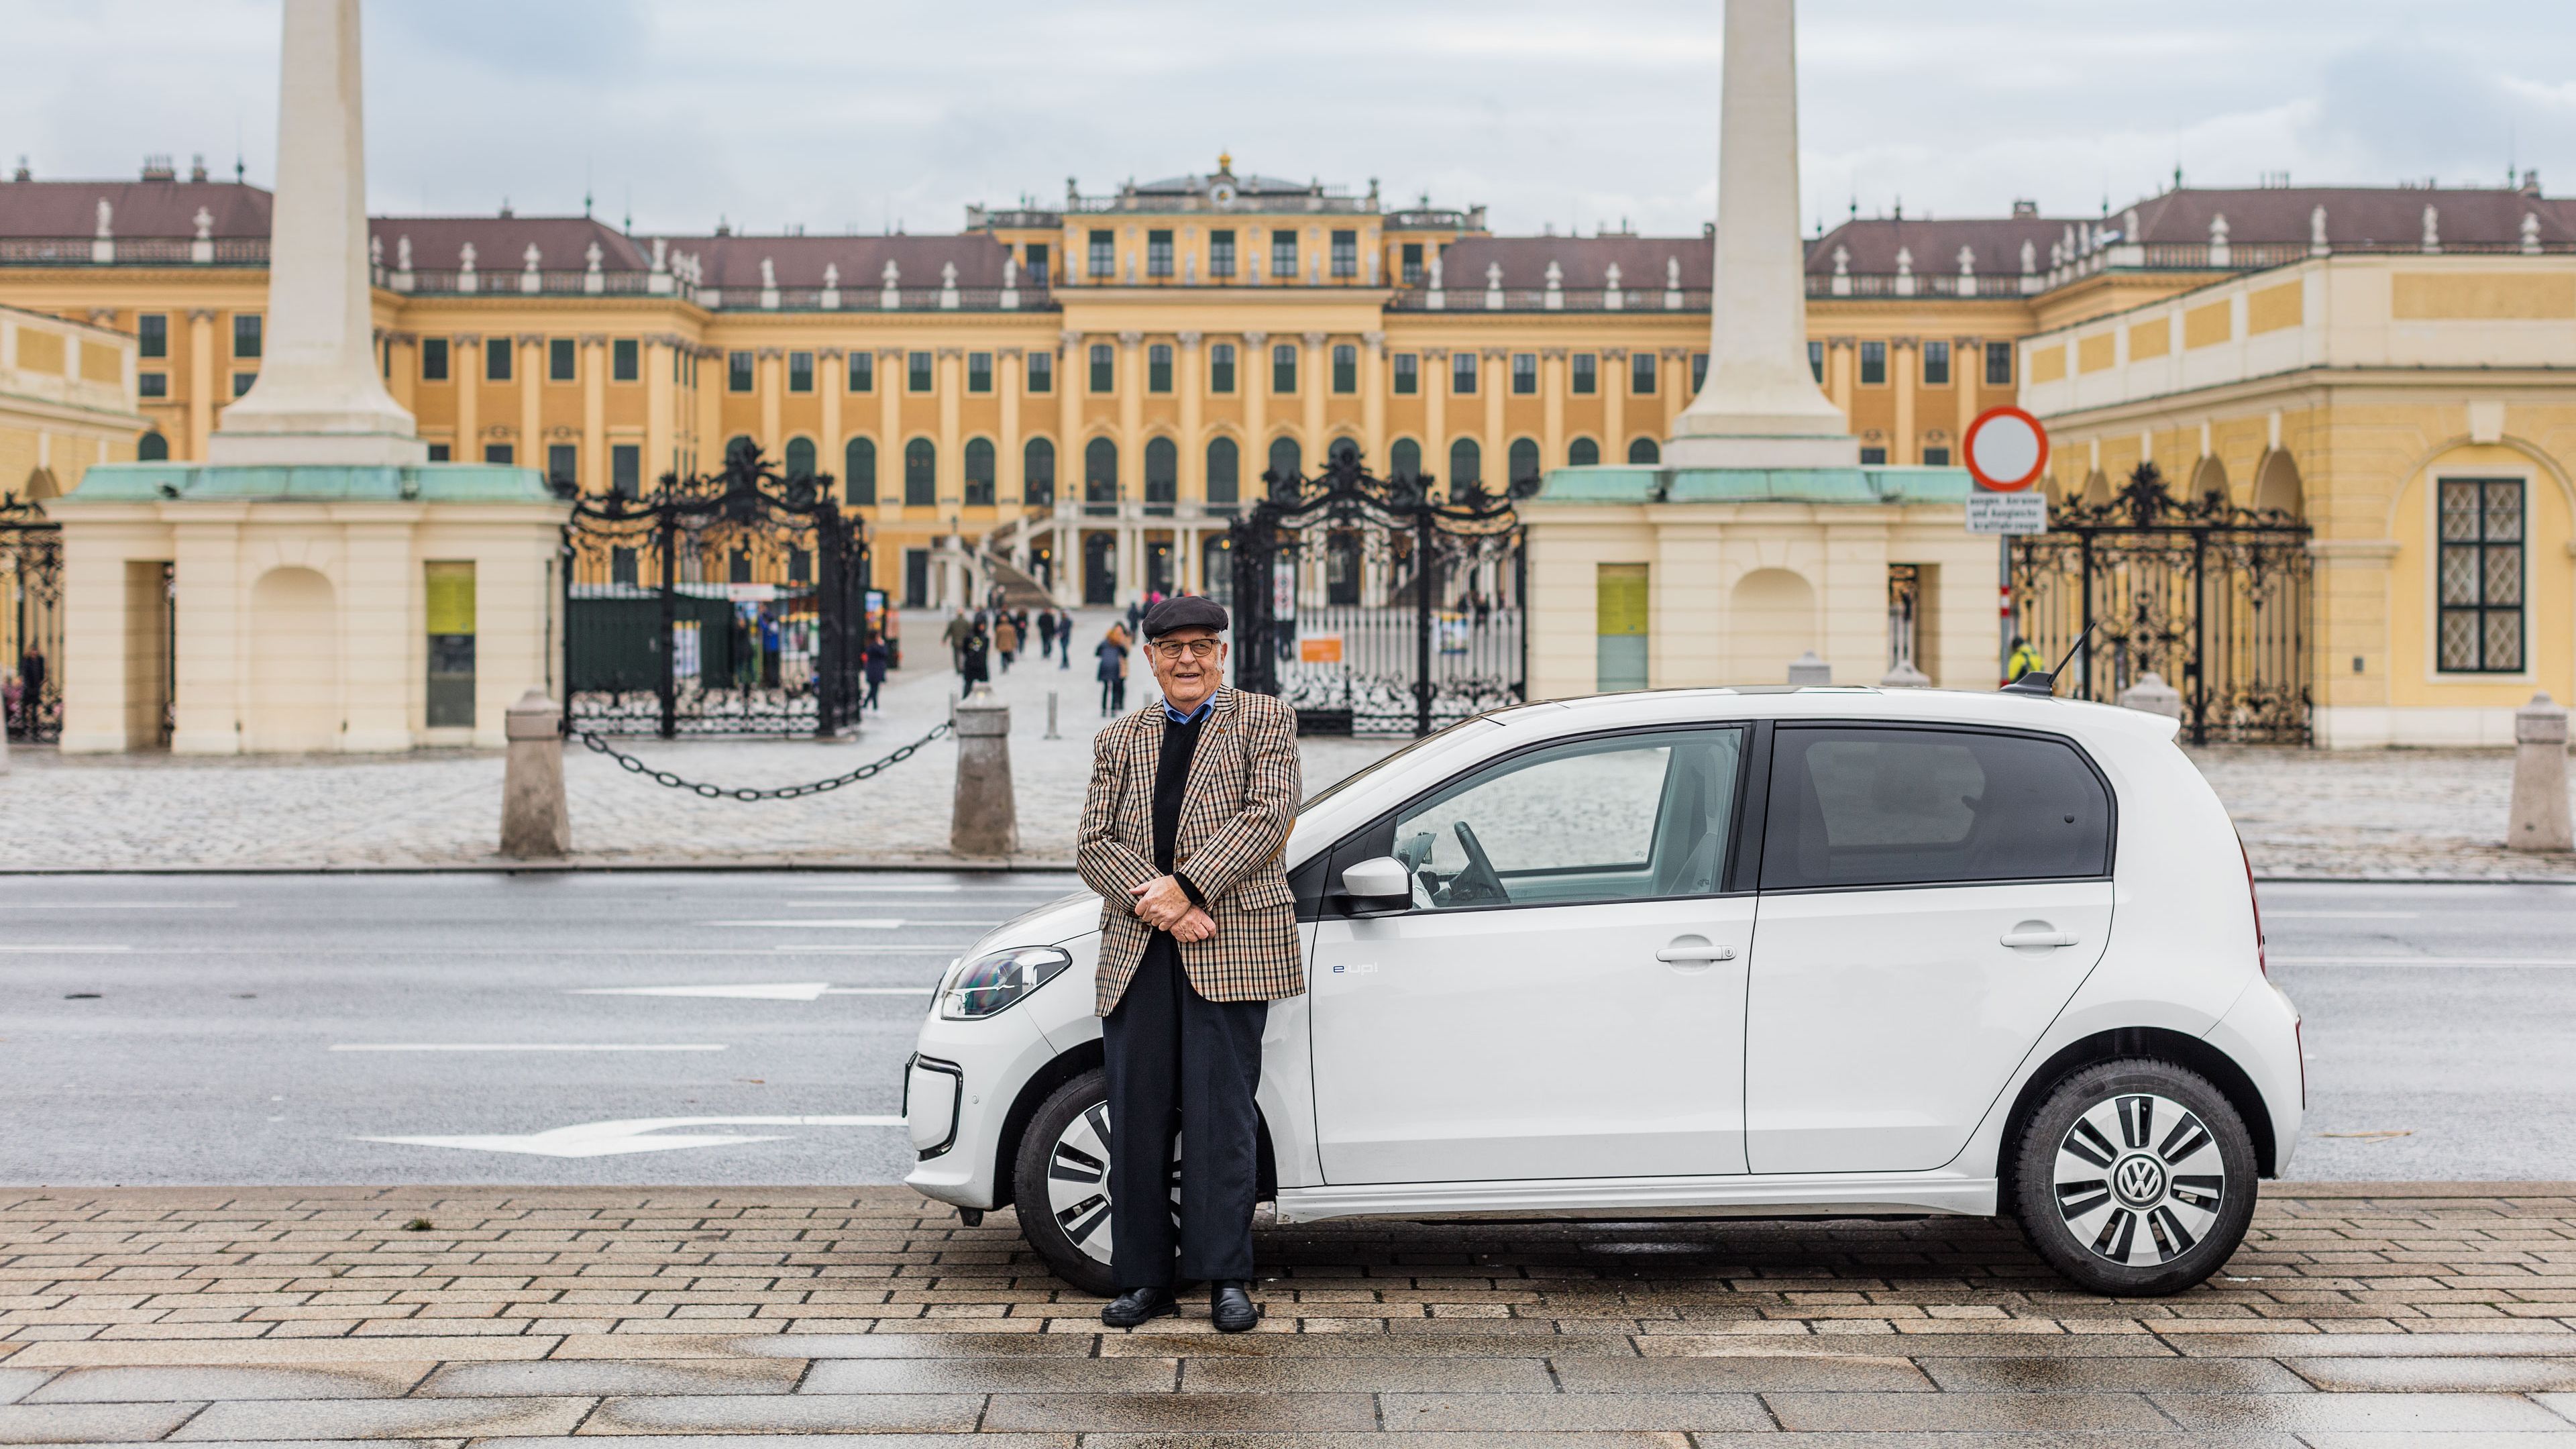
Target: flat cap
<point x="1184" y="611"/>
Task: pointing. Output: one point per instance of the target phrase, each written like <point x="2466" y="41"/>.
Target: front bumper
<point x="959" y="1085"/>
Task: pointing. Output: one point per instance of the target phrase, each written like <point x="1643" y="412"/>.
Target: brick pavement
<point x="2388" y="1314"/>
<point x="2384" y="814"/>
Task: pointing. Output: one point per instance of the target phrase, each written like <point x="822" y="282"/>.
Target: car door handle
<point x="2038" y="935"/>
<point x="1688" y="951"/>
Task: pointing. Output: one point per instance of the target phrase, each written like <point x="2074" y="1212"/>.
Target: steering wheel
<point x="1479" y="884"/>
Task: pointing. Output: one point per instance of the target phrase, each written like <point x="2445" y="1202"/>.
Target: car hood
<point x="1058" y="921"/>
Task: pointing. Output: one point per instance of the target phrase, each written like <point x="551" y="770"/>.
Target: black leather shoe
<point x="1139" y="1305"/>
<point x="1231" y="1308"/>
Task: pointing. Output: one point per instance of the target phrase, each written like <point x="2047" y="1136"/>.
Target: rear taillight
<point x="2256" y="901"/>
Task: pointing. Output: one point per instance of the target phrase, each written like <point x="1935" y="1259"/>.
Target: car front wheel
<point x="2135" y="1178"/>
<point x="1061" y="1183"/>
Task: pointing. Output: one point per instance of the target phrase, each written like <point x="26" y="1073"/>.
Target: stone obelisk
<point x="319" y="399"/>
<point x="1760" y="407"/>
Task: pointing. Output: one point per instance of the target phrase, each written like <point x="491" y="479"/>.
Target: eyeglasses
<point x="1170" y="650"/>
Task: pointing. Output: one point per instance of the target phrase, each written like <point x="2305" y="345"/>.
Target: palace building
<point x="1089" y="390"/>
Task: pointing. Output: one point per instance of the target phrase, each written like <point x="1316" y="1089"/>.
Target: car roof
<point x="2108" y="724"/>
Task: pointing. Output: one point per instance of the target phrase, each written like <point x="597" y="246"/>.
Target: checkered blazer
<point x="1236" y="808"/>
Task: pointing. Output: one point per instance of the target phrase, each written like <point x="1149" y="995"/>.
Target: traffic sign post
<point x="2006" y="449"/>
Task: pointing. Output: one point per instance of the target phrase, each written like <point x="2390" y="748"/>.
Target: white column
<point x="319" y="398"/>
<point x="1760" y="407"/>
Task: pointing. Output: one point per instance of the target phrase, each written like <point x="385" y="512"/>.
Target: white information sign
<point x="2024" y="512"/>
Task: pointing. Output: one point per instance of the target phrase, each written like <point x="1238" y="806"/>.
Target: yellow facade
<point x="66" y="401"/>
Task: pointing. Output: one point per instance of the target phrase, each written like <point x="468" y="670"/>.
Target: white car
<point x="1754" y="952"/>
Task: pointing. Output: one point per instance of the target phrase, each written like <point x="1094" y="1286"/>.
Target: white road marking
<point x="2340" y="915"/>
<point x="760" y="991"/>
<point x="880" y="990"/>
<point x="861" y="923"/>
<point x="2544" y="962"/>
<point x="945" y="950"/>
<point x="92" y="950"/>
<point x="888" y="889"/>
<point x="609" y="1139"/>
<point x="526" y="1046"/>
<point x="119" y="905"/>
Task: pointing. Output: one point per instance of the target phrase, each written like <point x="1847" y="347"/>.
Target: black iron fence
<point x="2211" y="597"/>
<point x="1373" y="607"/>
<point x="723" y="604"/>
<point x="31" y="622"/>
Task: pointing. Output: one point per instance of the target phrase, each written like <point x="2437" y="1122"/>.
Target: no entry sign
<point x="2006" y="449"/>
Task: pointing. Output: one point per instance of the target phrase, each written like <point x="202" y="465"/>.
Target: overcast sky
<point x="846" y="114"/>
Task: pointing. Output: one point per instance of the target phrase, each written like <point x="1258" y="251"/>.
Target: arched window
<point x="1644" y="451"/>
<point x="152" y="448"/>
<point x="1037" y="474"/>
<point x="1100" y="471"/>
<point x="921" y="474"/>
<point x="800" y="457"/>
<point x="1342" y="451"/>
<point x="1162" y="475"/>
<point x="1404" y="460"/>
<point x="859" y="470"/>
<point x="1225" y="465"/>
<point x="739" y="445"/>
<point x="1285" y="459"/>
<point x="1524" y="460"/>
<point x="979" y="472"/>
<point x="1466" y="463"/>
<point x="1583" y="453"/>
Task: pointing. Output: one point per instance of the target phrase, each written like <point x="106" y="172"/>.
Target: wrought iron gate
<point x="1372" y="607"/>
<point x="31" y="622"/>
<point x="723" y="604"/>
<point x="2209" y="596"/>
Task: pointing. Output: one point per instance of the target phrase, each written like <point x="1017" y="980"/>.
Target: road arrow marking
<point x="610" y="1139"/>
<point x="761" y="991"/>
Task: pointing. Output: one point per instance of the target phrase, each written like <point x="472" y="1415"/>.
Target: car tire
<point x="2135" y="1178"/>
<point x="1060" y="1181"/>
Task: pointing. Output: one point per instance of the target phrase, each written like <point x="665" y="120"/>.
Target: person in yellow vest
<point x="2024" y="660"/>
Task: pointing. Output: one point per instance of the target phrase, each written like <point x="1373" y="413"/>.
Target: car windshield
<point x="1381" y="762"/>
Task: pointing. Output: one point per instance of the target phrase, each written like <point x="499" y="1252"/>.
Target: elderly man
<point x="1182" y="834"/>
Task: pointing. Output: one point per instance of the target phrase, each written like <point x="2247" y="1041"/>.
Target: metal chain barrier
<point x="635" y="766"/>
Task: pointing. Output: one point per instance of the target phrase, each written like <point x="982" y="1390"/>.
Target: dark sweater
<point x="1171" y="778"/>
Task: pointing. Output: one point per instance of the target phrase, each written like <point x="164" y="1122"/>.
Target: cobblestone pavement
<point x="2359" y="1314"/>
<point x="2385" y="814"/>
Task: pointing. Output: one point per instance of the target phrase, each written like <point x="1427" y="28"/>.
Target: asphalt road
<point x="273" y="1028"/>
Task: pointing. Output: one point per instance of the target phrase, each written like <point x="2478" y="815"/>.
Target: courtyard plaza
<point x="2392" y="814"/>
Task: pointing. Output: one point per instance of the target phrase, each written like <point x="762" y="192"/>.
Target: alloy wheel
<point x="2139" y="1180"/>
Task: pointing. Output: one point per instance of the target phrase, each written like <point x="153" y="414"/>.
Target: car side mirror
<point x="1379" y="886"/>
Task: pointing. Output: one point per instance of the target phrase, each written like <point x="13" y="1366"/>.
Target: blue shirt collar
<point x="1194" y="716"/>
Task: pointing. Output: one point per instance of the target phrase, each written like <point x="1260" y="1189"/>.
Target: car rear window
<point x="1862" y="806"/>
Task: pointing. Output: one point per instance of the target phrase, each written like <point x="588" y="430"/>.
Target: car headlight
<point x="996" y="979"/>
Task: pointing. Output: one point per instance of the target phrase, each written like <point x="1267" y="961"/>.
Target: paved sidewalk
<point x="2389" y="1314"/>
<point x="2406" y="814"/>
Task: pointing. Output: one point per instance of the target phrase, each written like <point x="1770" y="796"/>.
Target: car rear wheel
<point x="2135" y="1178"/>
<point x="1061" y="1183"/>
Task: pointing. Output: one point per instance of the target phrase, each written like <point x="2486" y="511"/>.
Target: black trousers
<point x="1179" y="1060"/>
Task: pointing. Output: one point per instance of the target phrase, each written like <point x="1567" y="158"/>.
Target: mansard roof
<point x="1582" y="263"/>
<point x="135" y="208"/>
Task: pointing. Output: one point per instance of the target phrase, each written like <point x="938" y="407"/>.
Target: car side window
<point x="1854" y="806"/>
<point x="1629" y="817"/>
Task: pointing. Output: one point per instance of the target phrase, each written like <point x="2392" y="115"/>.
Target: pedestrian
<point x="1006" y="640"/>
<point x="873" y="662"/>
<point x="957" y="632"/>
<point x="2024" y="659"/>
<point x="974" y="662"/>
<point x="1113" y="672"/>
<point x="1135" y="616"/>
<point x="1046" y="633"/>
<point x="1064" y="640"/>
<point x="1182" y="832"/>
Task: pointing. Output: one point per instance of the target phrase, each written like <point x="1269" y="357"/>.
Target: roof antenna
<point x="2043" y="682"/>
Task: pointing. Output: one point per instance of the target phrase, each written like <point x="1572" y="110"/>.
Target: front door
<point x="1566" y="997"/>
<point x="1930" y="900"/>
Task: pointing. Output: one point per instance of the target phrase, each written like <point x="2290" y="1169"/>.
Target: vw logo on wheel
<point x="2139" y="1181"/>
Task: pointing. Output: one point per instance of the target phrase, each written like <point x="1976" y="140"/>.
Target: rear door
<point x="1930" y="900"/>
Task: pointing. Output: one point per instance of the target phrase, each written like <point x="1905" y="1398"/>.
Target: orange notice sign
<point x="1320" y="649"/>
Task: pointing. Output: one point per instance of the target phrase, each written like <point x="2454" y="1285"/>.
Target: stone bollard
<point x="986" y="820"/>
<point x="1808" y="668"/>
<point x="534" y="819"/>
<point x="2153" y="695"/>
<point x="1051" y="734"/>
<point x="2539" y="778"/>
<point x="1905" y="676"/>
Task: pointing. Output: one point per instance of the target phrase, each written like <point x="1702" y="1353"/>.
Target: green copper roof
<point x="1753" y="485"/>
<point x="313" y="483"/>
